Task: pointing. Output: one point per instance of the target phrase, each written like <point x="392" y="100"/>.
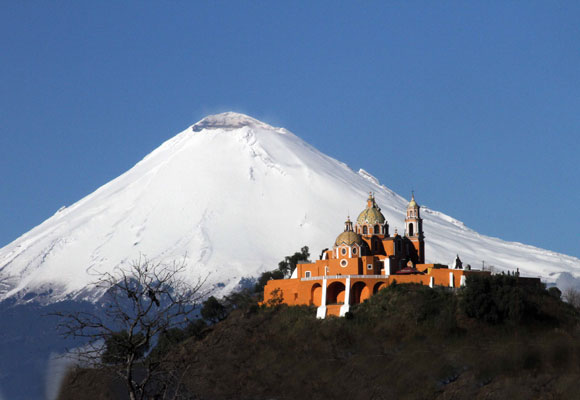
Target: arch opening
<point x="378" y="286"/>
<point x="360" y="292"/>
<point x="316" y="294"/>
<point x="335" y="293"/>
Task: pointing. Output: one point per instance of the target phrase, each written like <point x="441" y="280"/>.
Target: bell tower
<point x="414" y="229"/>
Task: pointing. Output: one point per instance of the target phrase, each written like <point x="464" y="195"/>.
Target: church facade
<point x="365" y="258"/>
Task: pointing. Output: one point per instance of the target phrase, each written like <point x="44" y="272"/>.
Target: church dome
<point x="371" y="215"/>
<point x="348" y="238"/>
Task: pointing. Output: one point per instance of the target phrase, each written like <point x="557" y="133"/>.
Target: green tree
<point x="265" y="277"/>
<point x="285" y="269"/>
<point x="243" y="299"/>
<point x="120" y="345"/>
<point x="213" y="311"/>
<point x="499" y="298"/>
<point x="288" y="265"/>
<point x="555" y="292"/>
<point x="168" y="339"/>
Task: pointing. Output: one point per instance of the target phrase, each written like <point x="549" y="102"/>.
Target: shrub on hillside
<point x="171" y="337"/>
<point x="243" y="299"/>
<point x="497" y="299"/>
<point x="410" y="308"/>
<point x="555" y="292"/>
<point x="213" y="310"/>
<point x="265" y="277"/>
<point x="118" y="346"/>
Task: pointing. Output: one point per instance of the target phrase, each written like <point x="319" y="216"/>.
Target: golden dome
<point x="348" y="238"/>
<point x="371" y="215"/>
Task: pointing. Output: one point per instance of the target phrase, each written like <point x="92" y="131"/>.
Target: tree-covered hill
<point x="494" y="339"/>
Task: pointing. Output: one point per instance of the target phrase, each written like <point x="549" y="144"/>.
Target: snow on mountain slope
<point x="232" y="196"/>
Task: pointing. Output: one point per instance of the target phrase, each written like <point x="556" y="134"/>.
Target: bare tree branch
<point x="141" y="302"/>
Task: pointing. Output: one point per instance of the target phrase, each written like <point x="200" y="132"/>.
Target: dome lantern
<point x="349" y="237"/>
<point x="371" y="220"/>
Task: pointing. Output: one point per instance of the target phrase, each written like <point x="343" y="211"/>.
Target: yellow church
<point x="364" y="259"/>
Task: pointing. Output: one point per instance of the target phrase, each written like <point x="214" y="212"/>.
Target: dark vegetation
<point x="493" y="339"/>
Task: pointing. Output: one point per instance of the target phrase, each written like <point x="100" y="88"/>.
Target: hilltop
<point x="407" y="341"/>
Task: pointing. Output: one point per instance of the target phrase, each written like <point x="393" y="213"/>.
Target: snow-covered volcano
<point x="232" y="196"/>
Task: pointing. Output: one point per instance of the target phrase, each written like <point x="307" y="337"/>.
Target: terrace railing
<point x="319" y="278"/>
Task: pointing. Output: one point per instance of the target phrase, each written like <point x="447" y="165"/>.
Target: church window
<point x="343" y="263"/>
<point x="307" y="274"/>
<point x="410" y="229"/>
<point x="369" y="266"/>
<point x="343" y="251"/>
<point x="354" y="250"/>
<point x="377" y="230"/>
<point x="365" y="230"/>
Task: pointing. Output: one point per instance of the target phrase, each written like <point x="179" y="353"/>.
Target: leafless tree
<point x="141" y="302"/>
<point x="572" y="296"/>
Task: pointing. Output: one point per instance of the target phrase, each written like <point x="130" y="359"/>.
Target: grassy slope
<point x="408" y="341"/>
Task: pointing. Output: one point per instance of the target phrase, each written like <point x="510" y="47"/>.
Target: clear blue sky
<point x="475" y="106"/>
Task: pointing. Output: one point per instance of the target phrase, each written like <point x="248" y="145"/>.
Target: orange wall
<point x="389" y="246"/>
<point x="296" y="291"/>
<point x="355" y="266"/>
